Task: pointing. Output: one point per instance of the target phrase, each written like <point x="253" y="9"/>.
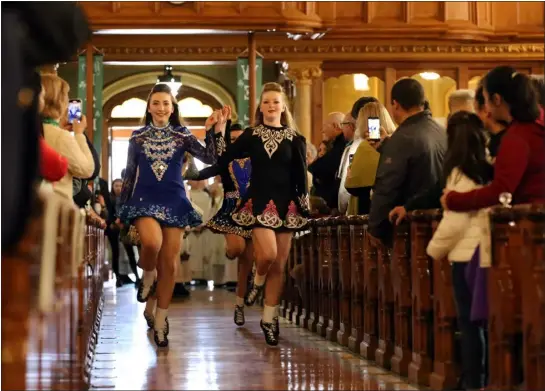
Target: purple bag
<point x="476" y="278"/>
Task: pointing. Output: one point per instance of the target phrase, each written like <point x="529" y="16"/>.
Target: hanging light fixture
<point x="174" y="82"/>
<point x="430" y="75"/>
<point x="361" y="82"/>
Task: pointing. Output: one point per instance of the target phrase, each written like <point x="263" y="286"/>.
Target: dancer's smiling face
<point x="160" y="107"/>
<point x="272" y="106"/>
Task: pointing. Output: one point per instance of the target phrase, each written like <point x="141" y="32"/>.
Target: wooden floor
<point x="208" y="352"/>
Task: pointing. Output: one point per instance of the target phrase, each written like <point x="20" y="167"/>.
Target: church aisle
<point x="208" y="352"/>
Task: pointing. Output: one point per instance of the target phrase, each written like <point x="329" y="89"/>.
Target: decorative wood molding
<point x="228" y="48"/>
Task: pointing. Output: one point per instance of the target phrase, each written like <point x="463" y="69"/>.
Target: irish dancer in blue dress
<point x="153" y="197"/>
<point x="235" y="177"/>
<point x="276" y="203"/>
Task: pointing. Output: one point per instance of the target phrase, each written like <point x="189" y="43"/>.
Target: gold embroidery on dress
<point x="293" y="219"/>
<point x="272" y="138"/>
<point x="242" y="164"/>
<point x="245" y="216"/>
<point x="221" y="146"/>
<point x="304" y="202"/>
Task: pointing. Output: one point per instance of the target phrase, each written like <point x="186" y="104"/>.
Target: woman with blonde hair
<point x="276" y="203"/>
<point x="363" y="168"/>
<point x="72" y="146"/>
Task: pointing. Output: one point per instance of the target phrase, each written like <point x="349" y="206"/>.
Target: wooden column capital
<point x="304" y="72"/>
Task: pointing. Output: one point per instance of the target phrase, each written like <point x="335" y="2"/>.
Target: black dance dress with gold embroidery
<point x="277" y="197"/>
<point x="153" y="185"/>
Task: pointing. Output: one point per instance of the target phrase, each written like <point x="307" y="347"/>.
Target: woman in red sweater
<point x="53" y="166"/>
<point x="520" y="164"/>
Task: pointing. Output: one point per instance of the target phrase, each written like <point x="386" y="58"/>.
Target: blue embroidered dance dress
<point x="153" y="185"/>
<point x="235" y="177"/>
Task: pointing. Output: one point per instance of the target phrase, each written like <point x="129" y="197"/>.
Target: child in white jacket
<point x="462" y="236"/>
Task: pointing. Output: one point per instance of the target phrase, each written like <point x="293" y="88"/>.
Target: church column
<point x="302" y="73"/>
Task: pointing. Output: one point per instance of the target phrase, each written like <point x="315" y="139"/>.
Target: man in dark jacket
<point x="411" y="159"/>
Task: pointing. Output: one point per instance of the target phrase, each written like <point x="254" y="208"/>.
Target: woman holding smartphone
<point x="373" y="119"/>
<point x="73" y="146"/>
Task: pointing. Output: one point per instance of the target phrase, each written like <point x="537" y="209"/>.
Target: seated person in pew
<point x="465" y="239"/>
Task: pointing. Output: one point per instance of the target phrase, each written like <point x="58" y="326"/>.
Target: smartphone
<point x="373" y="123"/>
<point x="74" y="110"/>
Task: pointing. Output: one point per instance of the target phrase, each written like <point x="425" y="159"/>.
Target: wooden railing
<point x="396" y="306"/>
<point x="52" y="299"/>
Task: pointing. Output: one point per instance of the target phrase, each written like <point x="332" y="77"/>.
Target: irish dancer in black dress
<point x="154" y="198"/>
<point x="276" y="203"/>
<point x="235" y="177"/>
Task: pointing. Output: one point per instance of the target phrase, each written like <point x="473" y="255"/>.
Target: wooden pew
<point x="306" y="289"/>
<point x="420" y="367"/>
<point x="285" y="298"/>
<point x="369" y="344"/>
<point x="314" y="264"/>
<point x="446" y="367"/>
<point x="533" y="295"/>
<point x="405" y="282"/>
<point x="505" y="315"/>
<point x="356" y="281"/>
<point x="401" y="284"/>
<point x="17" y="297"/>
<point x="43" y="285"/>
<point x="345" y="281"/>
<point x="323" y="276"/>
<point x="296" y="300"/>
<point x="385" y="349"/>
<point x="333" y="279"/>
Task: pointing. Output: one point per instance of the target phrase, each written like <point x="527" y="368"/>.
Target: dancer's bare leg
<point x="234" y="246"/>
<point x="166" y="279"/>
<point x="275" y="276"/>
<point x="151" y="240"/>
<point x="245" y="263"/>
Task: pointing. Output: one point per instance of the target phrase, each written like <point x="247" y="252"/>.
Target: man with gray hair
<point x="324" y="169"/>
<point x="461" y="100"/>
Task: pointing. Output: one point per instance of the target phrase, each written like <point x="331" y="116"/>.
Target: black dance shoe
<point x="253" y="293"/>
<point x="150" y="320"/>
<point x="276" y="326"/>
<point x="239" y="315"/>
<point x="160" y="336"/>
<point x="270" y="335"/>
<point x="151" y="291"/>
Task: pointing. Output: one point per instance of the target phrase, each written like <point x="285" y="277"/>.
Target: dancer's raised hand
<point x="210" y="121"/>
<point x="222" y="120"/>
<point x="229" y="112"/>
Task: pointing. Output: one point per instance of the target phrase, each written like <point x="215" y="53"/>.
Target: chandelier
<point x="174" y="82"/>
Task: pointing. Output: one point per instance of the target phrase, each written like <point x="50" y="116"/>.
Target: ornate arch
<point x="192" y="80"/>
